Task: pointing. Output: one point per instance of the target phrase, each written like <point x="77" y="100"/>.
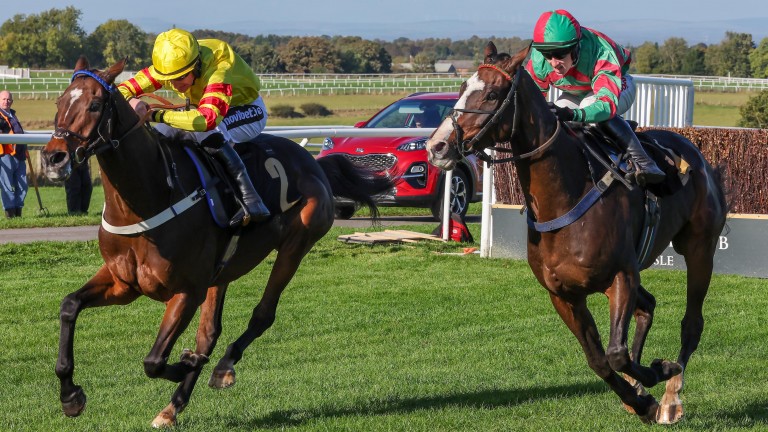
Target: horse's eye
<point x="95" y="107"/>
<point x="492" y="96"/>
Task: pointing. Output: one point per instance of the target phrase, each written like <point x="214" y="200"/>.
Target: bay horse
<point x="597" y="254"/>
<point x="180" y="261"/>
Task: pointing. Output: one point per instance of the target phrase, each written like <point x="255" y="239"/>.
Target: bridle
<point x="100" y="139"/>
<point x="467" y="146"/>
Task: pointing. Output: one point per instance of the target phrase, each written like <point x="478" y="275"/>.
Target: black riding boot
<point x="10" y="213"/>
<point x="646" y="171"/>
<point x="253" y="208"/>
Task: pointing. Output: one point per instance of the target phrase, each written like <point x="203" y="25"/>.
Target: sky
<point x="628" y="22"/>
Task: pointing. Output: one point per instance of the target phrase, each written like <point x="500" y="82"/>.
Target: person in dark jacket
<point x="13" y="158"/>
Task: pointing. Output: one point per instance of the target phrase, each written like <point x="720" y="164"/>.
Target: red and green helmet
<point x="555" y="31"/>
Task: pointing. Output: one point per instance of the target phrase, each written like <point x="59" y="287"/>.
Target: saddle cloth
<point x="261" y="162"/>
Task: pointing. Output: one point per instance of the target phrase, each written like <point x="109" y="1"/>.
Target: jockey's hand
<point x="139" y="106"/>
<point x="562" y="113"/>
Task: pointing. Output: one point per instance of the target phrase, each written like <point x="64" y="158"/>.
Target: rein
<point x="467" y="146"/>
<point x="103" y="131"/>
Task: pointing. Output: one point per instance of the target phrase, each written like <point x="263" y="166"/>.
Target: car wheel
<point x="459" y="197"/>
<point x="344" y="212"/>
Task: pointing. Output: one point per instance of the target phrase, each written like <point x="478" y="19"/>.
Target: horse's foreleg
<point x="208" y="332"/>
<point x="100" y="290"/>
<point x="644" y="308"/>
<point x="579" y="320"/>
<point x="287" y="262"/>
<point x="622" y="299"/>
<point x="178" y="313"/>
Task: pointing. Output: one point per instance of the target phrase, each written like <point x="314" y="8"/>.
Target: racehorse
<point x="183" y="262"/>
<point x="501" y="103"/>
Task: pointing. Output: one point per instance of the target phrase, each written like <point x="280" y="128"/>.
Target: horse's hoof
<point x="166" y="418"/>
<point x="650" y="416"/>
<point x="222" y="378"/>
<point x="74" y="405"/>
<point x="669" y="414"/>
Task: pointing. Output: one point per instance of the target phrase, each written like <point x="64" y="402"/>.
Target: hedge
<point x="741" y="153"/>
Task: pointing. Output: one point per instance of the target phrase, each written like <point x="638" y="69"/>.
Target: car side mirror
<point x="360" y="124"/>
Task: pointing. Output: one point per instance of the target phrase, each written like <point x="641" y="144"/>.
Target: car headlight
<point x="419" y="144"/>
<point x="327" y="143"/>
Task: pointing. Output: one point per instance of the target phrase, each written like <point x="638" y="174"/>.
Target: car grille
<point x="374" y="162"/>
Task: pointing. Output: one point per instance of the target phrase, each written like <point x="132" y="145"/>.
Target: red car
<point x="420" y="184"/>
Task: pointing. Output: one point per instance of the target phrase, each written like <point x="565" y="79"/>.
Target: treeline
<point x="54" y="39"/>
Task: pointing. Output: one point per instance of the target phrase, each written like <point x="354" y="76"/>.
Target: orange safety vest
<point x="9" y="149"/>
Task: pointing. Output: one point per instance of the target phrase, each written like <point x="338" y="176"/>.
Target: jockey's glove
<point x="157" y="115"/>
<point x="562" y="113"/>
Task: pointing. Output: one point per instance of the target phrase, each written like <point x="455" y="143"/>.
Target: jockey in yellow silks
<point x="225" y="93"/>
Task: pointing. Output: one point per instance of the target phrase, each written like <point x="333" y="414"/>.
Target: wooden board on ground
<point x="387" y="236"/>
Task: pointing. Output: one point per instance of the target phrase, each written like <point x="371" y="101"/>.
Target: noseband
<point x="467" y="146"/>
<point x="100" y="139"/>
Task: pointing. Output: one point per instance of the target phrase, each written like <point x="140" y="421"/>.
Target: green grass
<point x="406" y="340"/>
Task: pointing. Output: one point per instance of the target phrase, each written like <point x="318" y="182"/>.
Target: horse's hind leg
<point x="579" y="320"/>
<point x="208" y="332"/>
<point x="101" y="290"/>
<point x="263" y="316"/>
<point x="698" y="260"/>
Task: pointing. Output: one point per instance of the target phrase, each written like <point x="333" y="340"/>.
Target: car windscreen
<point x="412" y="113"/>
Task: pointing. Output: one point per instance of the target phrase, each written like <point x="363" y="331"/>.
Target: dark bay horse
<point x="596" y="254"/>
<point x="178" y="262"/>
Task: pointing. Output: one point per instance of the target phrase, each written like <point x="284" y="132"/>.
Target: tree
<point x="52" y="39"/>
<point x="310" y="55"/>
<point x="261" y="56"/>
<point x="424" y="63"/>
<point x="758" y="60"/>
<point x="731" y="57"/>
<point x="118" y="39"/>
<point x="646" y="58"/>
<point x="671" y="55"/>
<point x="693" y="63"/>
<point x="755" y="112"/>
<point x="362" y="56"/>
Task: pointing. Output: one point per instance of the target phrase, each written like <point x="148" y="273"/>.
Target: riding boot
<point x="9" y="213"/>
<point x="646" y="170"/>
<point x="18" y="211"/>
<point x="253" y="208"/>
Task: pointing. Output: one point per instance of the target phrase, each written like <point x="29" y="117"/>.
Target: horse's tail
<point x="357" y="184"/>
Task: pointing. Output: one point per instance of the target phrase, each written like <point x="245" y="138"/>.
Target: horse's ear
<point x="490" y="52"/>
<point x="115" y="70"/>
<point x="521" y="55"/>
<point x="82" y="63"/>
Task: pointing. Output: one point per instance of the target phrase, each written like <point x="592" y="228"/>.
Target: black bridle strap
<point x="103" y="141"/>
<point x="466" y="146"/>
<point x="534" y="152"/>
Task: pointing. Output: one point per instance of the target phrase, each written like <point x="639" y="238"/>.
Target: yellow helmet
<point x="175" y="53"/>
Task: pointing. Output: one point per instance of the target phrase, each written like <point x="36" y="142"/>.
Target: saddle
<point x="668" y="160"/>
<point x="221" y="193"/>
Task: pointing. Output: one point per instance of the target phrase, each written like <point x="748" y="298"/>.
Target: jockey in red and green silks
<point x="591" y="70"/>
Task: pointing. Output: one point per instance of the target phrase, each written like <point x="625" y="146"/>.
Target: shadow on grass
<point x="479" y="400"/>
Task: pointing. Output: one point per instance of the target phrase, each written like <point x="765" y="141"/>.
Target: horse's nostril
<point x="439" y="147"/>
<point x="57" y="158"/>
